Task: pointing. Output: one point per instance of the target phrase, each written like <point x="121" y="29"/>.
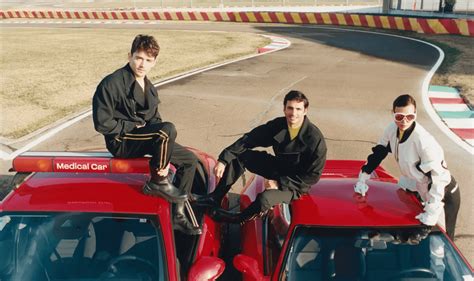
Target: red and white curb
<point x="277" y="44"/>
<point x="453" y="111"/>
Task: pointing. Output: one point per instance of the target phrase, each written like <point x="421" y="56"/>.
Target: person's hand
<point x="431" y="213"/>
<point x="164" y="172"/>
<point x="361" y="187"/>
<point x="270" y="184"/>
<point x="219" y="169"/>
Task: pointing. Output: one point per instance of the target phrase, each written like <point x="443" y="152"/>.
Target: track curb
<point x="453" y="111"/>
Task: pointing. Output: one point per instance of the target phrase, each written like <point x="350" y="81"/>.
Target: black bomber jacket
<point x="300" y="161"/>
<point x="114" y="108"/>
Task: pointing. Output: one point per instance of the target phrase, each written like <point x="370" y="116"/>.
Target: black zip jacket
<point x="299" y="161"/>
<point x="115" y="111"/>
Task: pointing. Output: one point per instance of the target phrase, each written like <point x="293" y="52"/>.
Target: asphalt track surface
<point x="350" y="77"/>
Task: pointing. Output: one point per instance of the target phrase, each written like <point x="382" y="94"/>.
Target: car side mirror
<point x="249" y="267"/>
<point x="206" y="268"/>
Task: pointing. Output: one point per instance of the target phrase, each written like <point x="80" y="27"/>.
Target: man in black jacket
<point x="125" y="111"/>
<point x="300" y="155"/>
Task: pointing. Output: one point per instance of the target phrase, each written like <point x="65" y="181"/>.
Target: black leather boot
<point x="161" y="186"/>
<point x="207" y="200"/>
<point x="251" y="212"/>
<point x="212" y="199"/>
<point x="221" y="215"/>
<point x="182" y="223"/>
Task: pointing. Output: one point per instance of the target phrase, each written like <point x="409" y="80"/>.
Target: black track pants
<point x="158" y="140"/>
<point x="260" y="163"/>
<point x="452" y="202"/>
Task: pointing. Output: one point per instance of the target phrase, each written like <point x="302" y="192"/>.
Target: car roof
<point x="83" y="192"/>
<point x="333" y="202"/>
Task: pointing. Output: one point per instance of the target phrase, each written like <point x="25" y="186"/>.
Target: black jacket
<point x="114" y="107"/>
<point x="300" y="161"/>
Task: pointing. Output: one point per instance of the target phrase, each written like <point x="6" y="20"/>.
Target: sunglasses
<point x="400" y="116"/>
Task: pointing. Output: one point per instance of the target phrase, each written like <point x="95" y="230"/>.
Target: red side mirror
<point x="206" y="269"/>
<point x="249" y="267"/>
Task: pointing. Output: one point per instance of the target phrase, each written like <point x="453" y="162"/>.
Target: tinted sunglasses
<point x="400" y="116"/>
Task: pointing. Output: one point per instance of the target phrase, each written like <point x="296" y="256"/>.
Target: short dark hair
<point x="145" y="43"/>
<point x="403" y="100"/>
<point x="296" y="95"/>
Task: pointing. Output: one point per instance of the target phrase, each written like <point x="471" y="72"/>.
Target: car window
<point x="276" y="226"/>
<point x="80" y="246"/>
<point x="372" y="254"/>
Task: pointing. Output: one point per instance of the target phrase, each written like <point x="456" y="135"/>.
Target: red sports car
<point x="333" y="233"/>
<point x="82" y="217"/>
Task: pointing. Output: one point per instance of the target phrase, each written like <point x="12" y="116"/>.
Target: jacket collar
<point x="129" y="79"/>
<point x="283" y="134"/>
<point x="407" y="132"/>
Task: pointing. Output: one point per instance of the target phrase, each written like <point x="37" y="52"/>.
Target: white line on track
<point x="46" y="136"/>
<point x="451" y="107"/>
<point x="258" y="120"/>
<point x="435" y="94"/>
<point x="425" y="98"/>
<point x="81" y="116"/>
<point x="464" y="123"/>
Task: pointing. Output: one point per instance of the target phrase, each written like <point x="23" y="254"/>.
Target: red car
<point x="82" y="216"/>
<point x="333" y="233"/>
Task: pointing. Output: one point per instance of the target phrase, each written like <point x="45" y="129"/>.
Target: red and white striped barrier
<point x="463" y="27"/>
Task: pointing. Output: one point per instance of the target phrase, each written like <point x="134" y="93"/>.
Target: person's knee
<point x="192" y="160"/>
<point x="265" y="200"/>
<point x="170" y="130"/>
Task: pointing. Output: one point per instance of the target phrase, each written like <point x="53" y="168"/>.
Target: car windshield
<point x="317" y="253"/>
<point x="80" y="246"/>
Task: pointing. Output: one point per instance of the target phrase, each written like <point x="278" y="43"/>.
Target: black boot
<point x="251" y="212"/>
<point x="161" y="186"/>
<point x="207" y="200"/>
<point x="221" y="215"/>
<point x="181" y="222"/>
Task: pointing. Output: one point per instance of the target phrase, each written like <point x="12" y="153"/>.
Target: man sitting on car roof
<point x="300" y="155"/>
<point x="125" y="111"/>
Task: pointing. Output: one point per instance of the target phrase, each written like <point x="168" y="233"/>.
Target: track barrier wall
<point x="456" y="26"/>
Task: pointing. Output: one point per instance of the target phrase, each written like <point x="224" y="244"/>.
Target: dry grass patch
<point x="47" y="74"/>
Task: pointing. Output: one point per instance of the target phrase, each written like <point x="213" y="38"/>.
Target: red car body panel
<point x="60" y="192"/>
<point x="330" y="200"/>
<point x="328" y="203"/>
<point x="108" y="193"/>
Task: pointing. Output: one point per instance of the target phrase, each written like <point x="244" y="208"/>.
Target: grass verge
<point x="49" y="73"/>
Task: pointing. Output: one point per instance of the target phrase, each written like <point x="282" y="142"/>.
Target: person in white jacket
<point x="422" y="166"/>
